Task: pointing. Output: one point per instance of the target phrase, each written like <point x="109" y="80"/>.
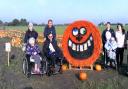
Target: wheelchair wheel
<point x="25" y="66"/>
<point x="44" y="65"/>
<point x="54" y="70"/>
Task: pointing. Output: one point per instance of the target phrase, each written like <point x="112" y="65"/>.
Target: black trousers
<point x="54" y="59"/>
<point x="29" y="63"/>
<point x="119" y="56"/>
<point x="106" y="58"/>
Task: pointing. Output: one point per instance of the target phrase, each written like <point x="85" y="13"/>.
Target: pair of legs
<point x="37" y="63"/>
<point x="119" y="56"/>
<point x="107" y="60"/>
<point x="52" y="59"/>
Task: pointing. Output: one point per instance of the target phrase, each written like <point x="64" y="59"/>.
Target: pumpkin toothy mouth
<point x="81" y="50"/>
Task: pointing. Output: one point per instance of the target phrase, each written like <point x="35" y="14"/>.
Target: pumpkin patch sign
<point x="81" y="43"/>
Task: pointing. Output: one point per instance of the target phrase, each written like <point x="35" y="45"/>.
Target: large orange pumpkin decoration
<point x="81" y="43"/>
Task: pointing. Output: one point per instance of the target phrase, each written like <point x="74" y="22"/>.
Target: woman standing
<point x="120" y="37"/>
<point x="50" y="29"/>
<point x="30" y="33"/>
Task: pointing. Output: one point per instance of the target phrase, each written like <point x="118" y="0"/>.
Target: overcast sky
<point x="65" y="11"/>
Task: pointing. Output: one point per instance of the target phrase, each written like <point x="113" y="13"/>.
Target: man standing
<point x="105" y="37"/>
<point x="50" y="29"/>
<point x="108" y="29"/>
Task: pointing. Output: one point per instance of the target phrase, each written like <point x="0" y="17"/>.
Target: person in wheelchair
<point x="33" y="52"/>
<point x="111" y="47"/>
<point x="52" y="51"/>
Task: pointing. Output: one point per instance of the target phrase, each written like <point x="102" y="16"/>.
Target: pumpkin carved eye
<point x="75" y="32"/>
<point x="83" y="31"/>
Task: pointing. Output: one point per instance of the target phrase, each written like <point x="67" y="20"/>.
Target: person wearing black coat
<point x="51" y="50"/>
<point x="104" y="39"/>
<point x="108" y="28"/>
<point x="50" y="29"/>
<point x="30" y="33"/>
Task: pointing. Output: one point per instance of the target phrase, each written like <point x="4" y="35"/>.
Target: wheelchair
<point x="111" y="60"/>
<point x="28" y="65"/>
<point x="56" y="69"/>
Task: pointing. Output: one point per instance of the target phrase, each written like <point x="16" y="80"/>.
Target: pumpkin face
<point x="81" y="43"/>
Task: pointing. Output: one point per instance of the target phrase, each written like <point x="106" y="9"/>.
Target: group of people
<point x="114" y="44"/>
<point x="50" y="47"/>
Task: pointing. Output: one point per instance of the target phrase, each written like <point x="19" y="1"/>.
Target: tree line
<point x="17" y="22"/>
<point x="24" y="22"/>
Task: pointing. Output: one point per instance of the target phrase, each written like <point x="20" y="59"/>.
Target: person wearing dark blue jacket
<point x="30" y="33"/>
<point x="50" y="29"/>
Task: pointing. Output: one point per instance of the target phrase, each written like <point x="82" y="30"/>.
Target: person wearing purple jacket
<point x="32" y="49"/>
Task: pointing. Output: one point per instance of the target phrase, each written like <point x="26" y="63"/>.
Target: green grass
<point x="59" y="29"/>
<point x="113" y="27"/>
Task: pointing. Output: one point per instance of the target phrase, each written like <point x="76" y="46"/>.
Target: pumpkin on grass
<point x="82" y="76"/>
<point x="16" y="41"/>
<point x="98" y="67"/>
<point x="64" y="67"/>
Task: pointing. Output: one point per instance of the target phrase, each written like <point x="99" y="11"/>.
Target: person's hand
<point x="44" y="39"/>
<point x="35" y="53"/>
<point x="24" y="47"/>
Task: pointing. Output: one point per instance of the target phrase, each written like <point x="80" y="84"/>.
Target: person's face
<point x="108" y="26"/>
<point x="50" y="23"/>
<point x="32" y="43"/>
<point x="30" y="27"/>
<point x="119" y="28"/>
<point x="50" y="37"/>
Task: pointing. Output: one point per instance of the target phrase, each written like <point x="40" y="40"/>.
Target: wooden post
<point x="8" y="58"/>
<point x="81" y="68"/>
<point x="8" y="50"/>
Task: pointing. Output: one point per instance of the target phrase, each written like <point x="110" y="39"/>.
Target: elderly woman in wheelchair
<point x="33" y="63"/>
<point x="53" y="54"/>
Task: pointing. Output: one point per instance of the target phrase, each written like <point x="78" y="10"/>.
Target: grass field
<point x="59" y="29"/>
<point x="12" y="77"/>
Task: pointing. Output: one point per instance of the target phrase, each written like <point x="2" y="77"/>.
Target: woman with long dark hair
<point x="121" y="39"/>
